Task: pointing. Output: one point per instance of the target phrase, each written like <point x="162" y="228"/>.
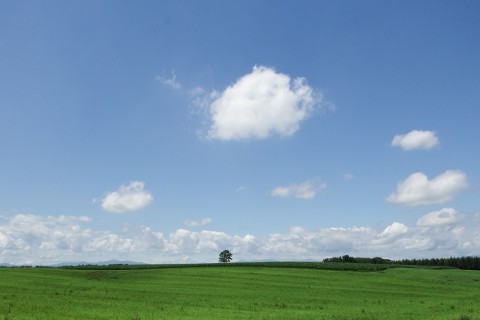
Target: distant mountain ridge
<point x="5" y="265"/>
<point x="101" y="263"/>
<point x="78" y="263"/>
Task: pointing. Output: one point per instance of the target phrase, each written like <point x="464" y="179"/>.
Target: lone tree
<point x="225" y="256"/>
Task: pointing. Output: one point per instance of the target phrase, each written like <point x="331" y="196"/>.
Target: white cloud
<point x="185" y="242"/>
<point x="31" y="239"/>
<point x="305" y="190"/>
<point x="108" y="242"/>
<point x="391" y="233"/>
<point x="169" y="82"/>
<point x="300" y="243"/>
<point x="201" y="223"/>
<point x="443" y="217"/>
<point x="418" y="190"/>
<point x="127" y="198"/>
<point x="3" y="241"/>
<point x="416" y="139"/>
<point x="394" y="230"/>
<point x="260" y="104"/>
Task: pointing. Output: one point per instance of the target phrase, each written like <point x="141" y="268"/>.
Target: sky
<point x="169" y="131"/>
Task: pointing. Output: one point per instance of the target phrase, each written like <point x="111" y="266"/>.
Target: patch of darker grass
<point x="99" y="275"/>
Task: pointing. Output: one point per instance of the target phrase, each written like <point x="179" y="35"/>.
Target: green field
<point x="238" y="292"/>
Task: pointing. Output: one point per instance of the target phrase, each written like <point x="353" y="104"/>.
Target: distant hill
<point x="78" y="263"/>
<point x="6" y="265"/>
<point x="101" y="263"/>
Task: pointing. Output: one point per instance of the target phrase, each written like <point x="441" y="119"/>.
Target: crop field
<point x="238" y="292"/>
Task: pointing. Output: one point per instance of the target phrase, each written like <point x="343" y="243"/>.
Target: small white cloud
<point x="416" y="139"/>
<point x="418" y="190"/>
<point x="394" y="229"/>
<point x="127" y="198"/>
<point x="260" y="104"/>
<point x="348" y="176"/>
<point x="200" y="223"/>
<point x="443" y="217"/>
<point x="305" y="190"/>
<point x="170" y="82"/>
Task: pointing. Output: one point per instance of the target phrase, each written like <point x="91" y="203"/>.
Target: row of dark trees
<point x="470" y="263"/>
<point x="347" y="258"/>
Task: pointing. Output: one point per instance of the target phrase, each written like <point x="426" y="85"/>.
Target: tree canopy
<point x="225" y="256"/>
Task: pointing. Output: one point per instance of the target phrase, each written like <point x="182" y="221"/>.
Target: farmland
<point x="239" y="291"/>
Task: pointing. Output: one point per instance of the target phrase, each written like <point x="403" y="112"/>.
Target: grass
<point x="238" y="292"/>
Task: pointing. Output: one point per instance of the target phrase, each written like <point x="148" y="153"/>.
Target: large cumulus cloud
<point x="261" y="104"/>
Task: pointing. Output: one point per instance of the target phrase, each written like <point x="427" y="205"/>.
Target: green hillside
<point x="238" y="292"/>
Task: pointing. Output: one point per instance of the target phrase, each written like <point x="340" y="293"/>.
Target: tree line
<point x="469" y="263"/>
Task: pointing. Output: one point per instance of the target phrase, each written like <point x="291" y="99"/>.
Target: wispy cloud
<point x="417" y="189"/>
<point x="416" y="139"/>
<point x="305" y="190"/>
<point x="197" y="91"/>
<point x="200" y="223"/>
<point x="170" y="81"/>
<point x="127" y="198"/>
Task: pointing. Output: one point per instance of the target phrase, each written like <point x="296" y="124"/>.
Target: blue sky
<point x="170" y="131"/>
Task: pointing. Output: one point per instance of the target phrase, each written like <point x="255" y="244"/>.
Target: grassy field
<point x="238" y="292"/>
